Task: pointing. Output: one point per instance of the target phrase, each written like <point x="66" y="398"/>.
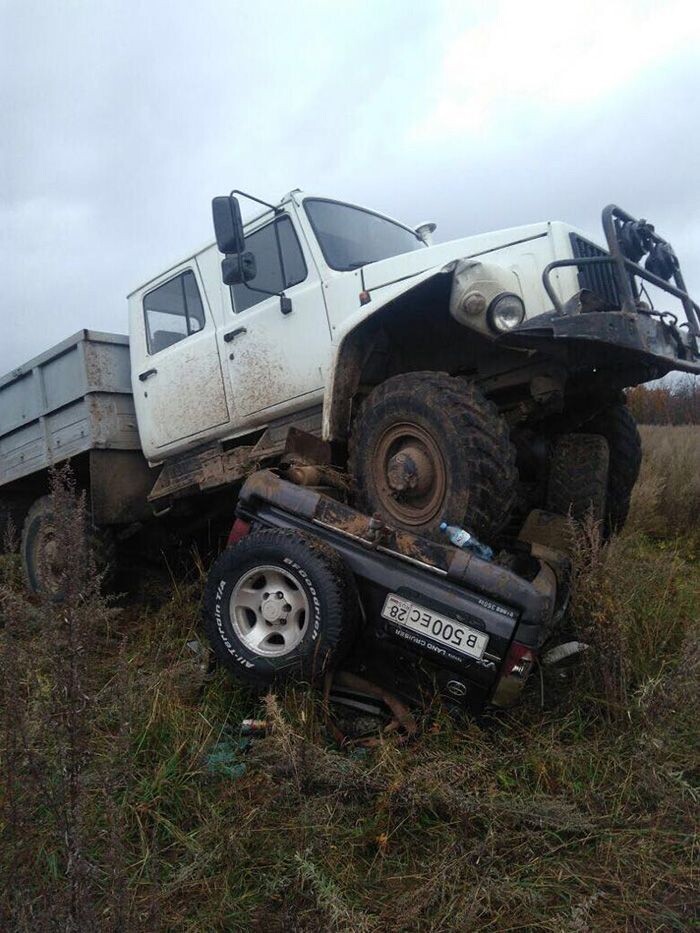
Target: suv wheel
<point x="280" y="603"/>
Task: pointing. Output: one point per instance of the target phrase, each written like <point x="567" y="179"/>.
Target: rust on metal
<point x="402" y="716"/>
<point x="409" y="473"/>
<point x="307" y="475"/>
<point x="305" y="447"/>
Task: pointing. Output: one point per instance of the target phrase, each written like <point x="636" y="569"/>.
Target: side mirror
<point x="228" y="224"/>
<point x="238" y="268"/>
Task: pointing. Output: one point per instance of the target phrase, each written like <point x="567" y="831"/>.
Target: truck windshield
<point x="351" y="237"/>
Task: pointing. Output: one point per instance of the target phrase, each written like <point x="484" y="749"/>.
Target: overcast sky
<point x="121" y="120"/>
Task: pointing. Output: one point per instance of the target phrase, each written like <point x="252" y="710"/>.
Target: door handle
<point x="149" y="372"/>
<point x="232" y="334"/>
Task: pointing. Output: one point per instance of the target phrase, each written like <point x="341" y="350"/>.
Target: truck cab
<point x="215" y="361"/>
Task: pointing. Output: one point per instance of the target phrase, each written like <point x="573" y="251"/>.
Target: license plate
<point x="439" y="628"/>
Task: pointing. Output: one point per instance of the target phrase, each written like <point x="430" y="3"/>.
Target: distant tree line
<point x="678" y="403"/>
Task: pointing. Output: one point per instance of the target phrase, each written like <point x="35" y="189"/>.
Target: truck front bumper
<point x="608" y="338"/>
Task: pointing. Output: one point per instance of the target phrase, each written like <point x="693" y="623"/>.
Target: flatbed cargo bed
<point x="73" y="398"/>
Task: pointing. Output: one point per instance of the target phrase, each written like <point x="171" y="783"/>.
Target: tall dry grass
<point x="666" y="499"/>
<point x="576" y="811"/>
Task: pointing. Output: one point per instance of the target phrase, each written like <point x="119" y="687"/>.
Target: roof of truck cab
<point x="300" y="196"/>
<point x="197" y="252"/>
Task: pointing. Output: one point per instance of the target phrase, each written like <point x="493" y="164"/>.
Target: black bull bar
<point x="632" y="329"/>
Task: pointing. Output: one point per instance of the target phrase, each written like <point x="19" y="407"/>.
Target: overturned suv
<point x="310" y="588"/>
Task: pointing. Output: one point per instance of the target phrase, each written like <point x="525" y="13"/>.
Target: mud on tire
<point x="39" y="551"/>
<point x="280" y="603"/>
<point x="461" y="461"/>
<point x="617" y="425"/>
<point x="578" y="476"/>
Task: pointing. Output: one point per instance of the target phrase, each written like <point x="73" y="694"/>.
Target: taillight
<point x="239" y="530"/>
<point x="519" y="660"/>
<point x="516" y="668"/>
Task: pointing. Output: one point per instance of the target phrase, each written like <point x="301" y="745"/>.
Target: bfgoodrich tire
<point x="279" y="604"/>
<point x="427" y="448"/>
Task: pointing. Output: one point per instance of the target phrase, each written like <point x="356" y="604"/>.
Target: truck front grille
<point x="598" y="277"/>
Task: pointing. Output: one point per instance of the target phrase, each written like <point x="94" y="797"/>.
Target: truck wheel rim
<point x="269" y="611"/>
<point x="410" y="474"/>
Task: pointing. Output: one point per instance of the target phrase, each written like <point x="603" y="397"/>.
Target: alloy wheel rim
<point x="269" y="611"/>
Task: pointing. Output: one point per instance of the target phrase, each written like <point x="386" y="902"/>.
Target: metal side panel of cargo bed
<point x="73" y="398"/>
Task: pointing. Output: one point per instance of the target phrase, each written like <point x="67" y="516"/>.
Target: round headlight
<point x="505" y="312"/>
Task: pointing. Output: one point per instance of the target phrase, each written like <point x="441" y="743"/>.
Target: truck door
<point x="276" y="361"/>
<point x="179" y="387"/>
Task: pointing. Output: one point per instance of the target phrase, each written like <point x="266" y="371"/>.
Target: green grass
<point x="575" y="812"/>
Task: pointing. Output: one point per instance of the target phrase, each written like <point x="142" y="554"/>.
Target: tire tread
<point x="330" y="572"/>
<point x="578" y="476"/>
<point x="477" y="432"/>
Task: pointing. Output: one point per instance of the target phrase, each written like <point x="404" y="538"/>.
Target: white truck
<point x="458" y="382"/>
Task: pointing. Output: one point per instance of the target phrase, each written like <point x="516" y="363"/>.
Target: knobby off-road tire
<point x="617" y="425"/>
<point x="39" y="549"/>
<point x="278" y="604"/>
<point x="578" y="476"/>
<point x="426" y="448"/>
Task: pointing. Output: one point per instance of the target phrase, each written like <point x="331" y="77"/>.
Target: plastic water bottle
<point x="461" y="538"/>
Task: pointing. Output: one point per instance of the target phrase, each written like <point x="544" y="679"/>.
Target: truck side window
<point x="273" y="275"/>
<point x="173" y="311"/>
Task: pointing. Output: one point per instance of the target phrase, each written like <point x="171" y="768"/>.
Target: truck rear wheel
<point x="40" y="550"/>
<point x="427" y="448"/>
<point x="43" y="566"/>
<point x="280" y="603"/>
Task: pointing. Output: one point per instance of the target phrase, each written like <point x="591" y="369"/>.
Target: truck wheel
<point x="617" y="425"/>
<point x="40" y="554"/>
<point x="427" y="448"/>
<point x="42" y="562"/>
<point x="280" y="603"/>
<point x="578" y="476"/>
